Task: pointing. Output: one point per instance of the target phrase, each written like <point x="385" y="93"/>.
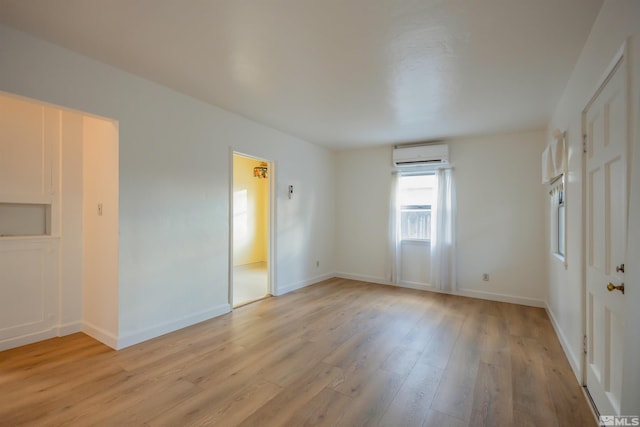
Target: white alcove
<point x="58" y="257"/>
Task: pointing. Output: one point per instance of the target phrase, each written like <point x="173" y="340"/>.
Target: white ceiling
<point x="341" y="73"/>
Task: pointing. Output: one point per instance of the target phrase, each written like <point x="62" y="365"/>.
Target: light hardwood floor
<point x="340" y="353"/>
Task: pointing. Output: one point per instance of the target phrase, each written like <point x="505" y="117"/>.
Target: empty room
<point x="339" y="213"/>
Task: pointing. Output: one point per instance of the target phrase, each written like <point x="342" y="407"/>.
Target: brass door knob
<point x="611" y="287"/>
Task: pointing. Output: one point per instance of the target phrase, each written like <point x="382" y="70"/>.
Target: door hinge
<point x="584" y="143"/>
<point x="584" y="344"/>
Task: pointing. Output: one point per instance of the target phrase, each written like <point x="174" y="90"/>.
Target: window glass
<point x="561" y="225"/>
<point x="558" y="217"/>
<point x="415" y="197"/>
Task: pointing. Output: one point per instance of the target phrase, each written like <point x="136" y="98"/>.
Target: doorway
<point x="250" y="208"/>
<point x="605" y="127"/>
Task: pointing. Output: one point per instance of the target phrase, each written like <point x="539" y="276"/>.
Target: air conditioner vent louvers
<point x="424" y="155"/>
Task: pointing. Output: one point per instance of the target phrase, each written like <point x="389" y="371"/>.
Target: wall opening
<point x="58" y="255"/>
<point x="250" y="229"/>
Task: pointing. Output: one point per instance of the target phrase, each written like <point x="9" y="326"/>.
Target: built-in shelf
<point x="25" y="219"/>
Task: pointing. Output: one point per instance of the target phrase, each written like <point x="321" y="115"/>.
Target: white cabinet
<point x="29" y="289"/>
<point x="29" y="221"/>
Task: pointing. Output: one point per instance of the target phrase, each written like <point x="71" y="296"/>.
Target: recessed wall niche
<point x="25" y="219"/>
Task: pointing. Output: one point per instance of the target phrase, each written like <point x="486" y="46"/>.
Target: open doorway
<point x="250" y="216"/>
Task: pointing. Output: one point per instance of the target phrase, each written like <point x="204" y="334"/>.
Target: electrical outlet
<point x="317" y="264"/>
<point x="485" y="277"/>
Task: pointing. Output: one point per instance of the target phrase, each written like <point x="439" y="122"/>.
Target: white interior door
<point x="605" y="121"/>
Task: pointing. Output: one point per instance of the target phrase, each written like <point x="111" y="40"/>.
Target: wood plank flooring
<point x="339" y="353"/>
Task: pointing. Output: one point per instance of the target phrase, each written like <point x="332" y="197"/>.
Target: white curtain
<point x="443" y="275"/>
<point x="394" y="232"/>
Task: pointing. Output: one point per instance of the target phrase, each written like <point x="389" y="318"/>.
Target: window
<point x="415" y="197"/>
<point x="561" y="224"/>
<point x="558" y="214"/>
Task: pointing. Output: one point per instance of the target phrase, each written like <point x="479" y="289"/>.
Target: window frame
<point x="559" y="218"/>
<point x="561" y="221"/>
<point x="402" y="208"/>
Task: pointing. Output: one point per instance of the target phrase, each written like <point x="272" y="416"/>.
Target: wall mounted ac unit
<point x="421" y="155"/>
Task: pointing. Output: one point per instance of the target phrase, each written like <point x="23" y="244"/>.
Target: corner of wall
<point x="573" y="359"/>
<point x="281" y="290"/>
<point x="130" y="338"/>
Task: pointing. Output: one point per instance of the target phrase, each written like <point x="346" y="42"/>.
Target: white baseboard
<point x="462" y="292"/>
<point x="69" y="328"/>
<point x="379" y="281"/>
<point x="54" y="331"/>
<point x="362" y="278"/>
<point x="415" y="285"/>
<point x="532" y="302"/>
<point x="14" y="342"/>
<point x="135" y="337"/>
<point x="100" y="334"/>
<point x="281" y="290"/>
<point x="571" y="356"/>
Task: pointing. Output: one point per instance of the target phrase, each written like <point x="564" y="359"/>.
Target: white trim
<point x="69" y="328"/>
<point x="53" y="332"/>
<point x="415" y="285"/>
<point x="560" y="258"/>
<point x="362" y="278"/>
<point x="619" y="60"/>
<point x="379" y="281"/>
<point x="27" y="339"/>
<point x="302" y="284"/>
<point x="271" y="232"/>
<point x="135" y="337"/>
<point x="106" y="338"/>
<point x="230" y="256"/>
<point x="532" y="302"/>
<point x="620" y="55"/>
<point x="574" y="361"/>
<point x="491" y="296"/>
<point x="416" y="242"/>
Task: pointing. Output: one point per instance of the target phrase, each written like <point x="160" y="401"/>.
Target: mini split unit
<point x="421" y="155"/>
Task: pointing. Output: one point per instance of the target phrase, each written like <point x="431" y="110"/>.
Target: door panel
<point x="605" y="123"/>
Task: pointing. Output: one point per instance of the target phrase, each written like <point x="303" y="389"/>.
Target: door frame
<point x="621" y="61"/>
<point x="271" y="235"/>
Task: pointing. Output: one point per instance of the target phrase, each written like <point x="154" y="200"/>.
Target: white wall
<point x="174" y="186"/>
<point x="617" y="21"/>
<point x="415" y="264"/>
<point x="100" y="231"/>
<point x="362" y="194"/>
<point x="500" y="215"/>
